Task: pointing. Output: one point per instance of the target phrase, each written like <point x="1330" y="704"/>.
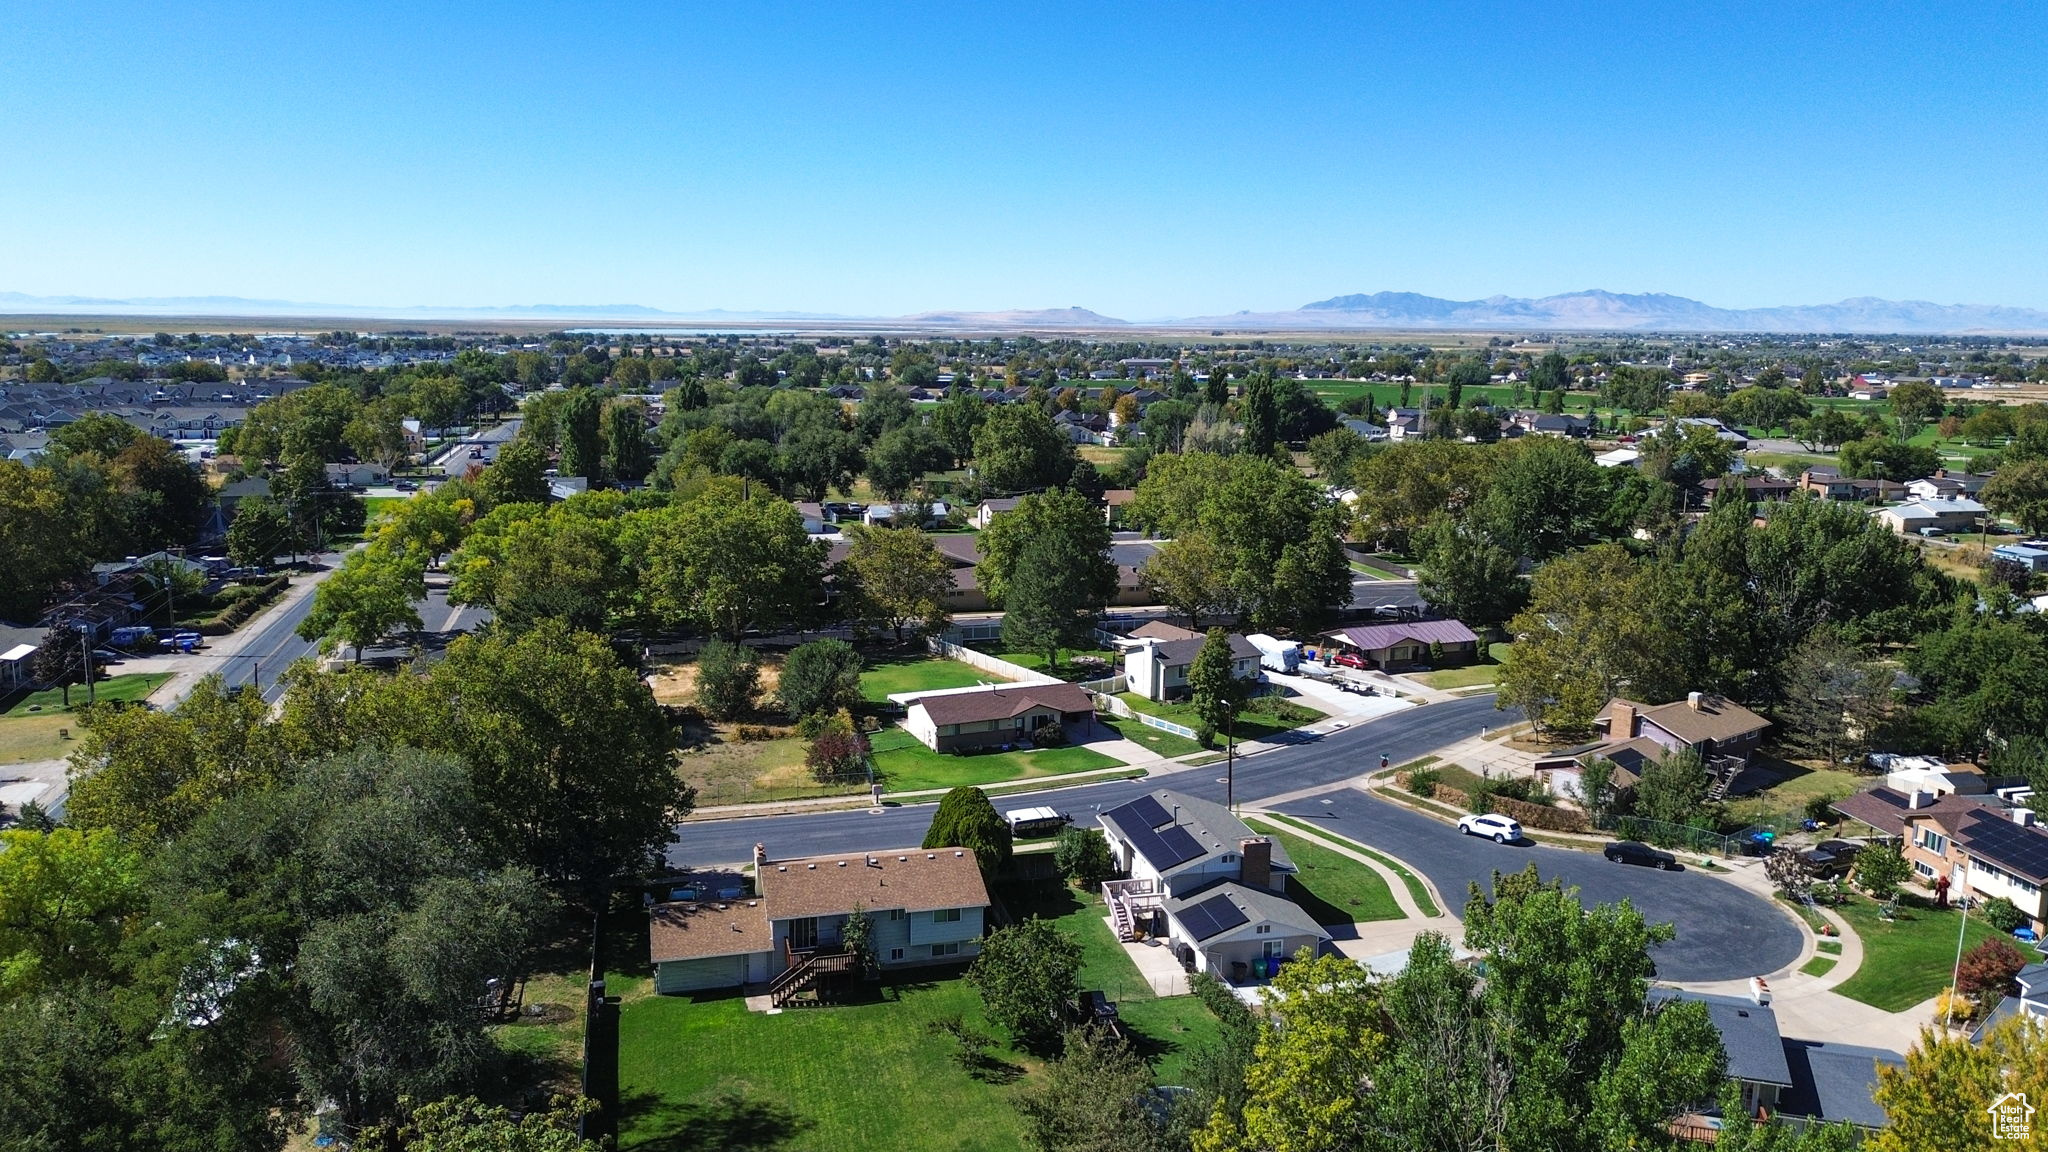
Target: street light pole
<point x="1956" y="973"/>
<point x="1230" y="764"/>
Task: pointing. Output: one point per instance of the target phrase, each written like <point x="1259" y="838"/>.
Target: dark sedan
<point x="1631" y="852"/>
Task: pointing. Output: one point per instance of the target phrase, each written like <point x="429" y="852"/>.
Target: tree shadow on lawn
<point x="1340" y="922"/>
<point x="728" y="1122"/>
<point x="1149" y="1048"/>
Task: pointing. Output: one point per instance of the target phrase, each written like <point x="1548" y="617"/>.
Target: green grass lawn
<point x="1818" y="966"/>
<point x="1908" y="960"/>
<point x="904" y="765"/>
<point x="131" y="687"/>
<point x="378" y="505"/>
<point x="1466" y="677"/>
<point x="1159" y="740"/>
<point x="1831" y="947"/>
<point x="918" y="674"/>
<point x="1251" y="725"/>
<point x="697" y="1072"/>
<point x="1417" y="890"/>
<point x="1075" y="665"/>
<point x="1334" y="888"/>
<point x="1365" y="569"/>
<point x="703" y="1072"/>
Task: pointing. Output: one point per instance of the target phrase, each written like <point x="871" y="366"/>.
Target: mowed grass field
<point x="903" y="764"/>
<point x="918" y="673"/>
<point x="35" y="727"/>
<point x="1909" y="959"/>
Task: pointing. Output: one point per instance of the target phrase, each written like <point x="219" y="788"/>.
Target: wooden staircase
<point x="1725" y="770"/>
<point x="810" y="974"/>
<point x="1121" y="911"/>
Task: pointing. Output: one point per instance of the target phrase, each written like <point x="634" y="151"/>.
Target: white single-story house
<point x="1201" y="879"/>
<point x="925" y="906"/>
<point x="2034" y="559"/>
<point x="986" y="513"/>
<point x="1617" y="457"/>
<point x="358" y="475"/>
<point x="895" y="515"/>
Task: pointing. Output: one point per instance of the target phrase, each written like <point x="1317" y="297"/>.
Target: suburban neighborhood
<point x="644" y="579"/>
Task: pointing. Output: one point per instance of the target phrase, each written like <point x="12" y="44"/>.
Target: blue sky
<point x="1144" y="160"/>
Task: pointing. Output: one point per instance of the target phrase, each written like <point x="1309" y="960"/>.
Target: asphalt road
<point x="1722" y="932"/>
<point x="458" y="461"/>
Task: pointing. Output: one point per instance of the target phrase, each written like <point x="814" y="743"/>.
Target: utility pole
<point x="1230" y="764"/>
<point x="85" y="650"/>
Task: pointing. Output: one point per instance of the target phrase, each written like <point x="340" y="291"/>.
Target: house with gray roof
<point x="1158" y="656"/>
<point x="1809" y="1080"/>
<point x="1201" y="882"/>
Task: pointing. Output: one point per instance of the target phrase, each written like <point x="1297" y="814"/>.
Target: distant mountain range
<point x="1597" y="310"/>
<point x="1593" y="310"/>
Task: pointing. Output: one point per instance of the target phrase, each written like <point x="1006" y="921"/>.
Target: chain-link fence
<point x="1666" y="835"/>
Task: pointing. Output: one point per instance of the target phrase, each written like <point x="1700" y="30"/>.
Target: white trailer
<point x="1276" y="654"/>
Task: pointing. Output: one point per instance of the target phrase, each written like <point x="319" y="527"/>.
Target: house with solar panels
<point x="1203" y="883"/>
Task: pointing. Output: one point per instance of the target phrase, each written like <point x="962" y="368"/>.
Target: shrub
<point x="754" y="733"/>
<point x="1423" y="781"/>
<point x="728" y="676"/>
<point x="1049" y="736"/>
<point x="2003" y="914"/>
<point x="1986" y="972"/>
<point x="1821" y="809"/>
<point x="1280" y="708"/>
<point x="838" y="752"/>
<point x="966" y="819"/>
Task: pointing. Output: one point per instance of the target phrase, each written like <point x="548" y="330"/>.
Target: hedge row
<point x="238" y="613"/>
<point x="1529" y="815"/>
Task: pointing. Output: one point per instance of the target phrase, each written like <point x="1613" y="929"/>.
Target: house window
<point x="1229" y="858"/>
<point x="1275" y="948"/>
<point x="895" y="953"/>
<point x="1933" y="841"/>
<point x="895" y="913"/>
<point x="1264" y="929"/>
<point x="1921" y="867"/>
<point x="946" y="916"/>
<point x="948" y="949"/>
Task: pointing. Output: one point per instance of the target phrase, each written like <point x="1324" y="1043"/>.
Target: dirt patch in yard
<point x="675" y="681"/>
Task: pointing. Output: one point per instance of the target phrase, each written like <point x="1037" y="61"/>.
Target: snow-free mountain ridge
<point x="1593" y="310"/>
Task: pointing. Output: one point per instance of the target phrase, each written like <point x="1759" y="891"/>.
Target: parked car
<point x="1931" y="533"/>
<point x="1634" y="852"/>
<point x="1349" y="660"/>
<point x="108" y="656"/>
<point x="1832" y="858"/>
<point x="406" y="486"/>
<point x="1498" y="828"/>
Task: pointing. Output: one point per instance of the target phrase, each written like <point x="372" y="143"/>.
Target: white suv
<point x="1500" y="828"/>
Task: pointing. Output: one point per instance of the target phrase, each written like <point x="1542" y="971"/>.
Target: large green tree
<point x="375" y="592"/>
<point x="966" y="819"/>
<point x="1028" y="974"/>
<point x="900" y="580"/>
<point x="1017" y="448"/>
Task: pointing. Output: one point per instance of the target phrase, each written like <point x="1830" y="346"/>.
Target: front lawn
<point x="40" y="727"/>
<point x="891" y="675"/>
<point x="1159" y="740"/>
<point x="1263" y="718"/>
<point x="1334" y="888"/>
<point x="1466" y="677"/>
<point x="903" y="764"/>
<point x="1909" y="959"/>
<point x="131" y="687"/>
<point x="1417" y="890"/>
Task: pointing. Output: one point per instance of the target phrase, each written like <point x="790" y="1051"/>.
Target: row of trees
<point x="253" y="912"/>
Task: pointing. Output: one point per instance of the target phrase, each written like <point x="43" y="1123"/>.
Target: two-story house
<point x="1982" y="845"/>
<point x="925" y="906"/>
<point x="1158" y="655"/>
<point x="1720" y="730"/>
<point x="1200" y="880"/>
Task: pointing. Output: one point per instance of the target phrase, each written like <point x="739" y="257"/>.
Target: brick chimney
<point x="1257" y="854"/>
<point x="1623" y="724"/>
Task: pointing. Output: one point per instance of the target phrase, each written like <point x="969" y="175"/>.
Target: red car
<point x="1350" y="660"/>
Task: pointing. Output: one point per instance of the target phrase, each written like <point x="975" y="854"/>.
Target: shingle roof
<point x="913" y="879"/>
<point x="1835" y="1082"/>
<point x="1372" y="637"/>
<point x="1161" y="630"/>
<point x="696" y="929"/>
<point x="1885" y="809"/>
<point x="1215" y="830"/>
<point x="1177" y="652"/>
<point x="1749" y="1034"/>
<point x="1003" y="703"/>
<point x="1715" y="718"/>
<point x="1258" y="907"/>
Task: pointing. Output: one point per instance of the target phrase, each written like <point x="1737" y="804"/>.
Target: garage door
<point x="696" y="975"/>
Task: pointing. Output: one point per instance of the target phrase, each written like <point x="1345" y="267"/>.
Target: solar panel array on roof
<point x="2021" y="849"/>
<point x="1167" y="849"/>
<point x="1144" y="810"/>
<point x="1212" y="917"/>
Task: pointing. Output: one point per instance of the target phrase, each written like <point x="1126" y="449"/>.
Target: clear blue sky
<point x="1143" y="160"/>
